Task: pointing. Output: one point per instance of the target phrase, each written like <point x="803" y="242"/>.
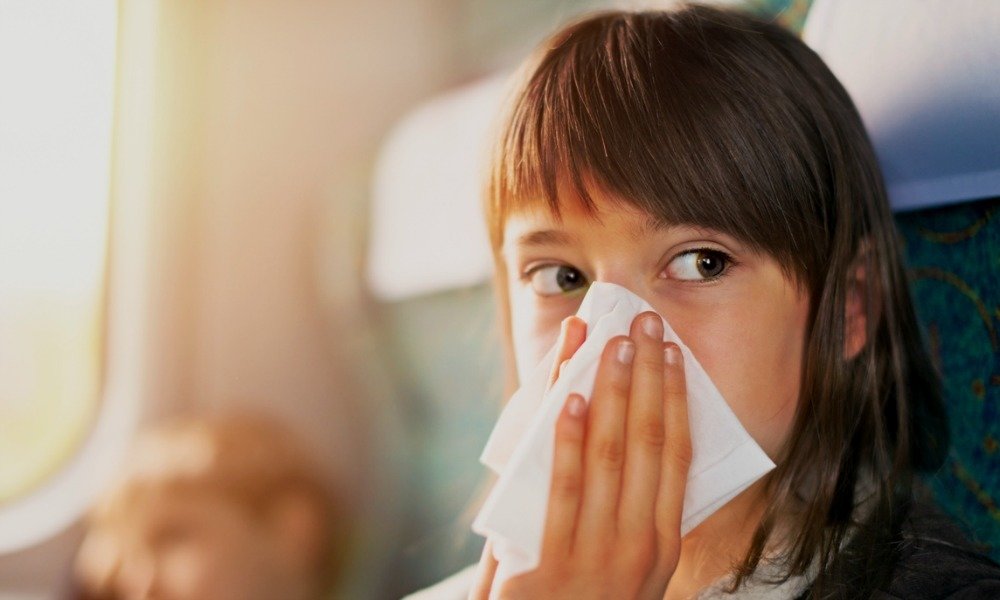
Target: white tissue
<point x="725" y="459"/>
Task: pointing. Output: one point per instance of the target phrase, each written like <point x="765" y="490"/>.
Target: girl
<point x="713" y="165"/>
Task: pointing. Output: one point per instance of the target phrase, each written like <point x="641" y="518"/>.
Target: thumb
<point x="485" y="572"/>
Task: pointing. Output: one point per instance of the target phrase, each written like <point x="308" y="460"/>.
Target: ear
<point x="858" y="302"/>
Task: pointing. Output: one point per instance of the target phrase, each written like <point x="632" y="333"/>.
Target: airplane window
<point x="57" y="73"/>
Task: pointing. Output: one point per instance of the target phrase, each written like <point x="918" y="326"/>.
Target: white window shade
<point x="57" y="69"/>
<point x="427" y="227"/>
<point x="64" y="425"/>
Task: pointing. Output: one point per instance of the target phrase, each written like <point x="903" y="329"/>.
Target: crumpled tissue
<point x="725" y="458"/>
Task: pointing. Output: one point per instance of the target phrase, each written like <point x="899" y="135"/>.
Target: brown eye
<point x="710" y="264"/>
<point x="698" y="265"/>
<point x="551" y="280"/>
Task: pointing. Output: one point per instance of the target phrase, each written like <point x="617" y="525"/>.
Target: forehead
<point x="578" y="225"/>
<point x="572" y="210"/>
<point x="537" y="224"/>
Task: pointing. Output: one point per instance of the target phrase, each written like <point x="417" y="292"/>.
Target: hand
<point x="612" y="527"/>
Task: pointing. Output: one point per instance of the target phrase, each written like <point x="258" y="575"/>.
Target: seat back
<point x="923" y="76"/>
<point x="954" y="259"/>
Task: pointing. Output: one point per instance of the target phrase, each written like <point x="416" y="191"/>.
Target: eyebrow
<point x="545" y="237"/>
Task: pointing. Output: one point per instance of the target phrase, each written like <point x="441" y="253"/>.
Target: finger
<point x="485" y="572"/>
<point x="677" y="449"/>
<point x="562" y="366"/>
<point x="567" y="480"/>
<point x="644" y="428"/>
<point x="571" y="335"/>
<point x="604" y="445"/>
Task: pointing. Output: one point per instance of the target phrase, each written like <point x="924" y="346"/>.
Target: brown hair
<point x="712" y="118"/>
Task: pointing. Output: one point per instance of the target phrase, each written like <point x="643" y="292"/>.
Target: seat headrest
<point x="427" y="227"/>
<point x="925" y="77"/>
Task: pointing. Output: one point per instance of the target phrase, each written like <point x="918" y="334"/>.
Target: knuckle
<point x="640" y="558"/>
<point x="610" y="453"/>
<point x="651" y="433"/>
<point x="675" y="391"/>
<point x="567" y="485"/>
<point x="640" y="546"/>
<point x="555" y="566"/>
<point x="651" y="362"/>
<point x="619" y="387"/>
<point x="666" y="562"/>
<point x="597" y="557"/>
<point x="680" y="451"/>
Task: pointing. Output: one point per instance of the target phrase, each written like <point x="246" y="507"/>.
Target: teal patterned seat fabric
<point x="954" y="259"/>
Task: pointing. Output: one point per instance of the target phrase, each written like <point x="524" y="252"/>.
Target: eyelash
<point x="727" y="258"/>
<point x="528" y="274"/>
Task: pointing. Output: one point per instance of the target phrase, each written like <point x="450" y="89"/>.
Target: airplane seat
<point x="428" y="271"/>
<point x="923" y="76"/>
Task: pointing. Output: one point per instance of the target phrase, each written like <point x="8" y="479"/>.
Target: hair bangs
<point x="628" y="106"/>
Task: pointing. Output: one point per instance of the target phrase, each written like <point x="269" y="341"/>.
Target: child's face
<point x="741" y="317"/>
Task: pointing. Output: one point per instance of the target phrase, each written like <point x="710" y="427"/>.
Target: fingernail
<point x="653" y="327"/>
<point x="576" y="406"/>
<point x="672" y="355"/>
<point x="625" y="352"/>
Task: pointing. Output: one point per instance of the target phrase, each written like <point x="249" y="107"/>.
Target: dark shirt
<point x="935" y="561"/>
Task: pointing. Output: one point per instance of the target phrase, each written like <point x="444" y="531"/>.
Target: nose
<point x="628" y="278"/>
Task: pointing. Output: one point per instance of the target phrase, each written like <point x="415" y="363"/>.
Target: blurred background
<point x="231" y="207"/>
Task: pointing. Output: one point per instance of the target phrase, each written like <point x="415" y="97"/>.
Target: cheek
<point x="535" y="326"/>
<point x="752" y="350"/>
<point x="532" y="333"/>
